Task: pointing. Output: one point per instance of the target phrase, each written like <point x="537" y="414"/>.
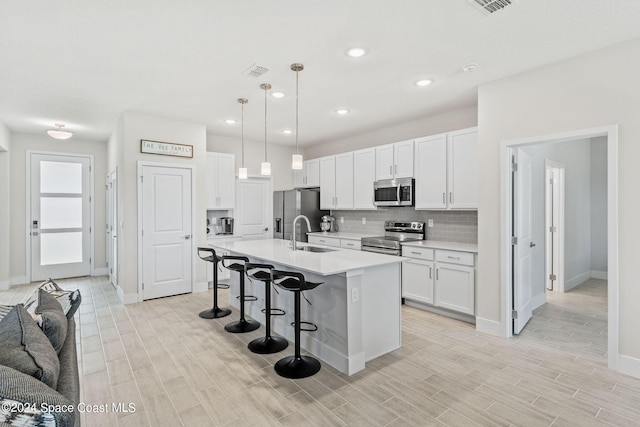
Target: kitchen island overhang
<point x="356" y="309"/>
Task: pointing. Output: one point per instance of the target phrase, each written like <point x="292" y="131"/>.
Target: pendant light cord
<point x="242" y="127"/>
<point x="265" y="124"/>
<point x="297" y="111"/>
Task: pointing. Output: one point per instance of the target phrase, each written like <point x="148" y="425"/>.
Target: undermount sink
<point x="315" y="249"/>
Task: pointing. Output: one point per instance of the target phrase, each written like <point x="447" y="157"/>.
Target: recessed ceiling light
<point x="230" y="121"/>
<point x="356" y="52"/>
<point x="277" y="94"/>
<point x="342" y="111"/>
<point x="287" y="131"/>
<point x="469" y="67"/>
<point x="425" y="82"/>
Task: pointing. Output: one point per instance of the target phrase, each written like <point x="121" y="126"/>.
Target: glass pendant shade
<point x="265" y="168"/>
<point x="242" y="173"/>
<point x="296" y="161"/>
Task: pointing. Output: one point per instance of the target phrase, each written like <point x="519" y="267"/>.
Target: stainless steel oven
<point x="394" y="192"/>
<point x="396" y="233"/>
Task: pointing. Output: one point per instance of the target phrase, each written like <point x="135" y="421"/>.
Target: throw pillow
<point x="49" y="316"/>
<point x="69" y="300"/>
<point x="25" y="348"/>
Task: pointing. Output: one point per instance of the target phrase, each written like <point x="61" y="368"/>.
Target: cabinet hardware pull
<point x="430" y="272"/>
<point x="444" y="201"/>
<point x="395" y="170"/>
<point x="416" y="253"/>
<point x="453" y="257"/>
<point x="437" y="274"/>
<point x="450" y="197"/>
<point x="390" y="170"/>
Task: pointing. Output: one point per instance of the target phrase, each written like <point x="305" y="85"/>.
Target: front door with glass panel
<point x="60" y="216"/>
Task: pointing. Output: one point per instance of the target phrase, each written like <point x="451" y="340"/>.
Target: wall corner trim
<point x="490" y="327"/>
<point x="200" y="287"/>
<point x="629" y="365"/>
<point x="127" y="298"/>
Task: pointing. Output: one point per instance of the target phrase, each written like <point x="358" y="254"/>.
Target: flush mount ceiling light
<point x="342" y="111"/>
<point x="423" y="83"/>
<point x="242" y="171"/>
<point x="230" y="122"/>
<point x="277" y="94"/>
<point x="265" y="167"/>
<point x="470" y="67"/>
<point x="59" y="133"/>
<point x="287" y="131"/>
<point x="356" y="52"/>
<point x="296" y="159"/>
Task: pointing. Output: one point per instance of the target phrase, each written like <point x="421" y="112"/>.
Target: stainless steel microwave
<point x="394" y="192"/>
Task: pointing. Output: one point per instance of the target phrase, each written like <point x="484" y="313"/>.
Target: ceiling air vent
<point x="488" y="7"/>
<point x="255" y="71"/>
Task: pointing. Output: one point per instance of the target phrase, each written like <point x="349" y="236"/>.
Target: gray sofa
<point x="39" y="378"/>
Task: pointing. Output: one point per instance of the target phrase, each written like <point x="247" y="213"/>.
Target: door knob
<point x="531" y="244"/>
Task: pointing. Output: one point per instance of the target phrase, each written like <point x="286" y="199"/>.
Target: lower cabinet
<point x="440" y="278"/>
<point x="336" y="242"/>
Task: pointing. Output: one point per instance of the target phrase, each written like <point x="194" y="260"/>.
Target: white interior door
<point x="254" y="210"/>
<point x="112" y="227"/>
<point x="60" y="220"/>
<point x="166" y="231"/>
<point x="522" y="250"/>
<point x="553" y="227"/>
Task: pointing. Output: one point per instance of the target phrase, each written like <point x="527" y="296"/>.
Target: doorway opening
<point x="535" y="265"/>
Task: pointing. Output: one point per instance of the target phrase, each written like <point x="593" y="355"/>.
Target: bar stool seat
<point x="214" y="312"/>
<point x="267" y="344"/>
<point x="296" y="366"/>
<point x="242" y="325"/>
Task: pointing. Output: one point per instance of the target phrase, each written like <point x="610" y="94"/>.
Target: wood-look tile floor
<point x="181" y="370"/>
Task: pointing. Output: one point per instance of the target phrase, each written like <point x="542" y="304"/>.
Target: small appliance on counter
<point x="328" y="224"/>
<point x="226" y="225"/>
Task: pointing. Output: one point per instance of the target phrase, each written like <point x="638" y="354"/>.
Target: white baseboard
<point x="490" y="327"/>
<point x="538" y="300"/>
<point x="19" y="280"/>
<point x="126" y="298"/>
<point x="5" y="285"/>
<point x="595" y="274"/>
<point x="576" y="280"/>
<point x="629" y="365"/>
<point x="102" y="271"/>
<point x="200" y="287"/>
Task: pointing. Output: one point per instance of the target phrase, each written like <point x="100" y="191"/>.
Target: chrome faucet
<point x="293" y="234"/>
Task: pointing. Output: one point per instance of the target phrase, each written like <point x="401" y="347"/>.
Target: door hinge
<point x="514" y="314"/>
<point x="552" y="181"/>
<point x="142" y="233"/>
<point x="553" y="229"/>
<point x="89" y="168"/>
<point x="89" y="260"/>
<point x="143" y="286"/>
<point x="553" y="277"/>
<point x="514" y="240"/>
<point x="89" y="229"/>
<point x="514" y="167"/>
<point x="141" y="178"/>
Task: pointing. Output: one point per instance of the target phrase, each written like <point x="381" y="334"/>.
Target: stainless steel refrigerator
<point x="291" y="203"/>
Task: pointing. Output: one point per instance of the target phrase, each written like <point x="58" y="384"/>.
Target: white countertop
<point x="326" y="263"/>
<point x="342" y="235"/>
<point x="450" y="246"/>
<point x="212" y="236"/>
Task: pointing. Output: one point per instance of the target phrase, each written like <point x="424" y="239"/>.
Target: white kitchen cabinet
<point x="308" y="176"/>
<point x="221" y="181"/>
<point x="323" y="240"/>
<point x="364" y="174"/>
<point x="417" y="280"/>
<point x="336" y="181"/>
<point x="394" y="160"/>
<point x="446" y="168"/>
<point x="455" y="287"/>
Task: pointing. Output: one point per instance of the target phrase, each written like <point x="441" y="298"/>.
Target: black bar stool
<point x="296" y="366"/>
<point x="267" y="344"/>
<point x="242" y="325"/>
<point x="214" y="259"/>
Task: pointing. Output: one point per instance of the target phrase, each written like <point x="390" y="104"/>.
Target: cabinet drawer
<point x="327" y="241"/>
<point x="418" y="253"/>
<point x="350" y="244"/>
<point x="453" y="257"/>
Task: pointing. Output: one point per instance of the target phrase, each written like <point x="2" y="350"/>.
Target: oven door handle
<point x="380" y="250"/>
<point x="398" y="194"/>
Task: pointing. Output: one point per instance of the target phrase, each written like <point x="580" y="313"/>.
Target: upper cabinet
<point x="221" y="181"/>
<point x="364" y="173"/>
<point x="446" y="170"/>
<point x="394" y="160"/>
<point x="308" y="176"/>
<point x="336" y="181"/>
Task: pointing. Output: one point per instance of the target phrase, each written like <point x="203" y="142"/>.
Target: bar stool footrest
<point x="312" y="326"/>
<point x="223" y="286"/>
<point x="274" y="311"/>
<point x="248" y="298"/>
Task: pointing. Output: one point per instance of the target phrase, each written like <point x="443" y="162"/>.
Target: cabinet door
<point x="212" y="181"/>
<point x="417" y="280"/>
<point x="403" y="159"/>
<point x="455" y="288"/>
<point x="312" y="173"/>
<point x="364" y="174"/>
<point x="344" y="181"/>
<point x="431" y="172"/>
<point x="326" y="241"/>
<point x="327" y="183"/>
<point x="298" y="178"/>
<point x="226" y="181"/>
<point x="463" y="169"/>
<point x="384" y="162"/>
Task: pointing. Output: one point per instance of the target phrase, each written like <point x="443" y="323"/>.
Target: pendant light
<point x="265" y="167"/>
<point x="59" y="132"/>
<point x="296" y="159"/>
<point x="242" y="172"/>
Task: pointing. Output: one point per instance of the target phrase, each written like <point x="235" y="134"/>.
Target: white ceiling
<point x="85" y="62"/>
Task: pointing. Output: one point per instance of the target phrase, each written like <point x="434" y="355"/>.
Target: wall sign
<point x="166" y="148"/>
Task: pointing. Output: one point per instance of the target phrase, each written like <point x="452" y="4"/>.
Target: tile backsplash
<point x="448" y="226"/>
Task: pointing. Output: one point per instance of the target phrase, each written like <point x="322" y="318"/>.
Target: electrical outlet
<point x="341" y="220"/>
<point x="364" y="220"/>
<point x="355" y="295"/>
<point x="430" y="223"/>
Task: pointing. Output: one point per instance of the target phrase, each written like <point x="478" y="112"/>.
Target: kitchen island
<point x="356" y="309"/>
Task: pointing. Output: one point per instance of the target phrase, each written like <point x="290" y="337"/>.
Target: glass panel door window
<point x="60" y="216"/>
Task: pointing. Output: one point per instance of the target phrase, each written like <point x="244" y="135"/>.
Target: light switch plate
<point x="430" y="223"/>
<point x="364" y="220"/>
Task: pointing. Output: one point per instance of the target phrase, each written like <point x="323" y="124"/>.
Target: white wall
<point x="599" y="205"/>
<point x="134" y="128"/>
<point x="432" y="125"/>
<point x="278" y="155"/>
<point x="5" y="198"/>
<point x="20" y="143"/>
<point x="596" y="89"/>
